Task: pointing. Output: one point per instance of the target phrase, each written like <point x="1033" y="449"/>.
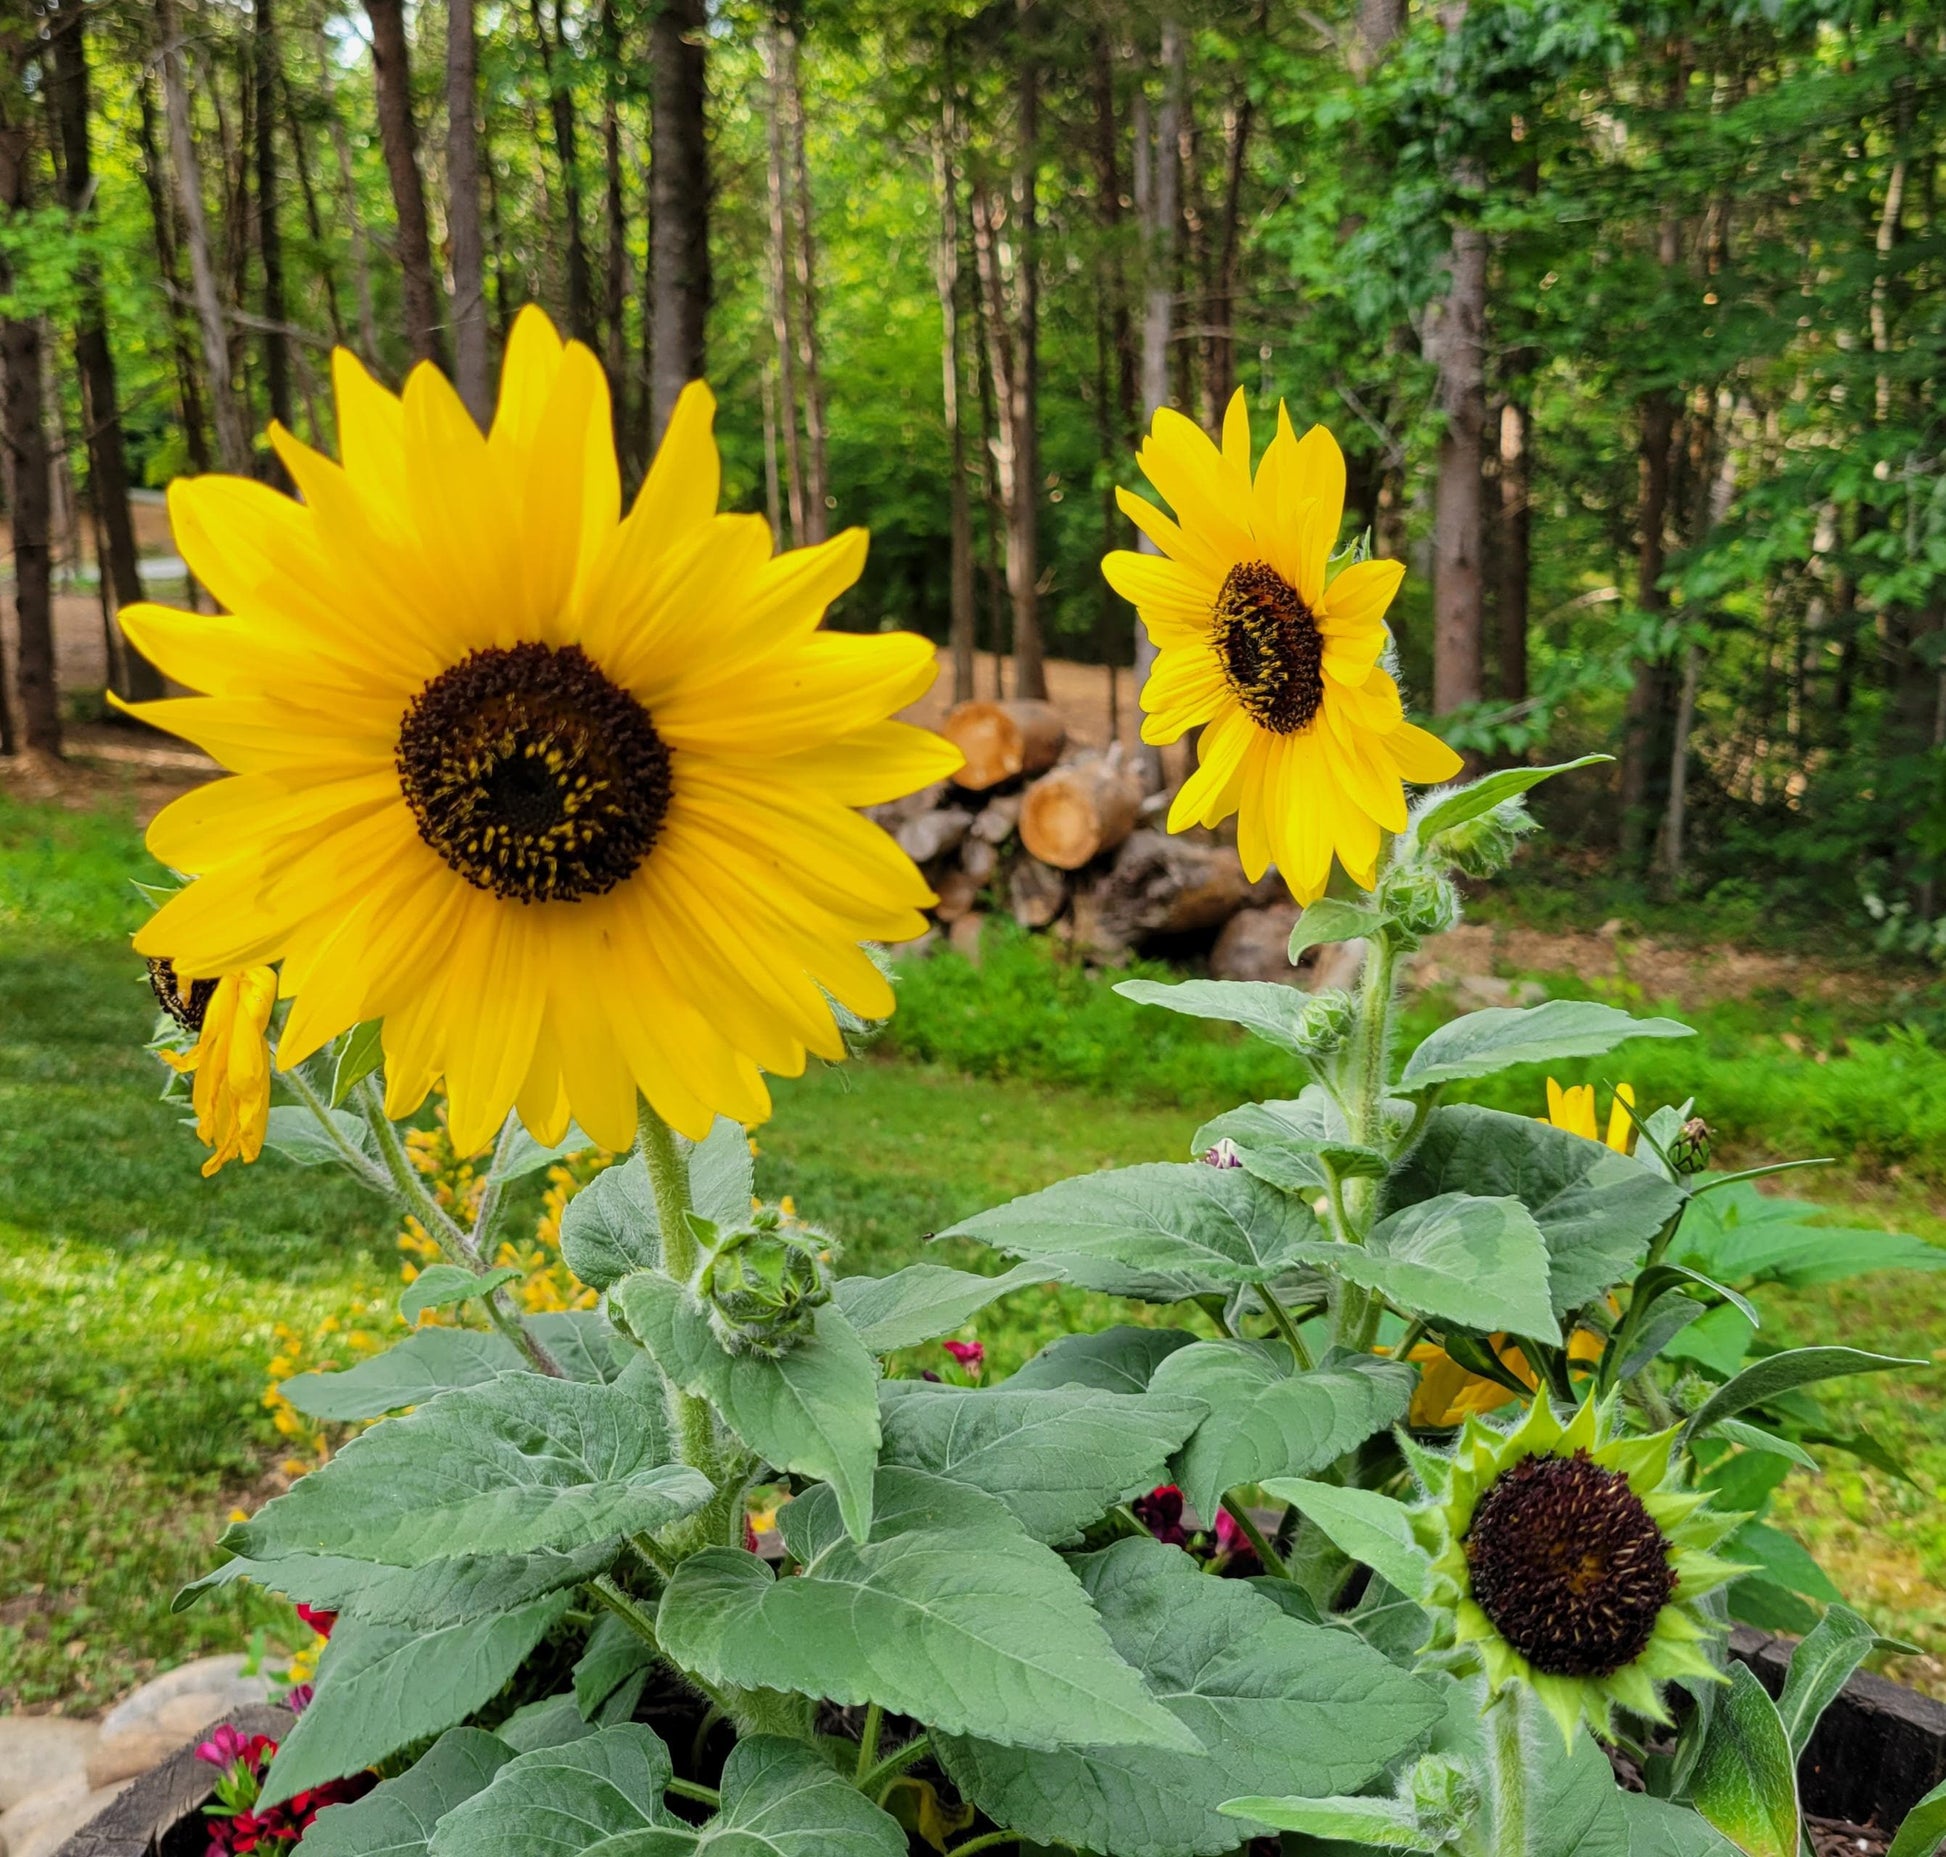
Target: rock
<point x="1472" y="992"/>
<point x="1255" y="944"/>
<point x="38" y="1751"/>
<point x="123" y="1756"/>
<point x="217" y="1683"/>
<point x="1338" y="964"/>
<point x="42" y="1822"/>
<point x="964" y="936"/>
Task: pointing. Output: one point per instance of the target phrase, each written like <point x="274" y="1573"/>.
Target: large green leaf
<point x="1745" y="1784"/>
<point x="1382" y="1824"/>
<point x="397" y="1818"/>
<point x="950" y="1613"/>
<point x="1329" y="919"/>
<point x="1923" y="1833"/>
<point x="1290" y="1142"/>
<point x="380" y="1688"/>
<point x="1279" y="1706"/>
<point x="442" y="1592"/>
<point x="296" y="1133"/>
<point x="1264" y="1007"/>
<point x="439" y="1286"/>
<point x="1220" y="1222"/>
<point x="583" y="1344"/>
<point x="1058" y="1458"/>
<point x="1658" y="1829"/>
<point x="602" y="1792"/>
<point x="615" y="1652"/>
<point x="923" y="1301"/>
<point x="609" y="1228"/>
<point x="812" y="1409"/>
<point x="1779" y="1373"/>
<point x="1479" y="797"/>
<point x="1597" y="1210"/>
<point x="781" y="1799"/>
<point x="1820" y="1667"/>
<point x="1479" y="1043"/>
<point x="517" y="1466"/>
<point x="1481" y="1263"/>
<point x="1266" y="1420"/>
<point x="429" y="1361"/>
<point x="1364" y="1524"/>
<point x="1118" y="1360"/>
<point x="1741" y="1235"/>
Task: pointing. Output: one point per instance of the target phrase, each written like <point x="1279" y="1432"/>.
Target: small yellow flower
<point x="230" y="1020"/>
<point x="1447" y="1393"/>
<point x="1280" y="657"/>
<point x="1574" y="1110"/>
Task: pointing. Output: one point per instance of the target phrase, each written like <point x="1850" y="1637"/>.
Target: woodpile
<point x="1065" y="841"/>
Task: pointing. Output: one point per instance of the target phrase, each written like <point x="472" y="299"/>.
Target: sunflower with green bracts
<point x="1572" y="1560"/>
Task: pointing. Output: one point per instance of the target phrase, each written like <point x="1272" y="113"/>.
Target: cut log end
<point x="1003" y="740"/>
<point x="1079" y="811"/>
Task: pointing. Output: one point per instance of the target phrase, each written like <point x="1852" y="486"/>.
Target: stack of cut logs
<point x="1068" y="842"/>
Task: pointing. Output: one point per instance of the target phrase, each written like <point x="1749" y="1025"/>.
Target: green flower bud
<point x="1326" y="1022"/>
<point x="1443" y="1793"/>
<point x="1486" y="844"/>
<point x="1419" y="901"/>
<point x="762" y="1283"/>
<point x="1689" y="1153"/>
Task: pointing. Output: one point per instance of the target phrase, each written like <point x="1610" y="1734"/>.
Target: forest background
<point x="1628" y="316"/>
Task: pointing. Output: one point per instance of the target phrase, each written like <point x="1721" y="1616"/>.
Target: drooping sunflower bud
<point x="1689" y="1153"/>
<point x="761" y="1283"/>
<point x="1486" y="844"/>
<point x="1419" y="901"/>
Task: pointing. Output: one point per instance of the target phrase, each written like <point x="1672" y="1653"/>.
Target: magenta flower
<point x="970" y="1354"/>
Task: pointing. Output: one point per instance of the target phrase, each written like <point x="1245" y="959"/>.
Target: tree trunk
<point x="1229" y="243"/>
<point x="361" y="258"/>
<point x="615" y="249"/>
<point x="1379" y="23"/>
<point x="1513" y="555"/>
<point x="392" y="79"/>
<point x="67" y="95"/>
<point x="946" y="275"/>
<point x="313" y="217"/>
<point x="999" y="387"/>
<point x="270" y="238"/>
<point x="781" y="284"/>
<point x="1459" y="584"/>
<point x="1648" y="698"/>
<point x="472" y="365"/>
<point x="817" y="514"/>
<point x="679" y="203"/>
<point x="232" y="443"/>
<point x="1157" y="200"/>
<point x="22" y="420"/>
<point x="162" y="217"/>
<point x="560" y="103"/>
<point x="995" y="449"/>
<point x="1023" y="526"/>
<point x="1114" y="405"/>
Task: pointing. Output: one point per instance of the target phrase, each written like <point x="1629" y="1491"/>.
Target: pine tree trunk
<point x="995" y="448"/>
<point x="679" y="203"/>
<point x="270" y="238"/>
<point x="1114" y="351"/>
<point x="1648" y="699"/>
<point x="67" y="95"/>
<point x="1379" y="23"/>
<point x="361" y="259"/>
<point x="1459" y="584"/>
<point x="615" y="249"/>
<point x="1229" y="244"/>
<point x="313" y="217"/>
<point x="946" y="274"/>
<point x="472" y="363"/>
<point x="1023" y="527"/>
<point x="392" y="79"/>
<point x="781" y="286"/>
<point x="817" y="515"/>
<point x="1513" y="554"/>
<point x="560" y="103"/>
<point x="232" y="443"/>
<point x="162" y="218"/>
<point x="22" y="421"/>
<point x="1158" y="200"/>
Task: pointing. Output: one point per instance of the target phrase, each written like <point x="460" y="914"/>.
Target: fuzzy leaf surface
<point x="1479" y="1043"/>
<point x="923" y="1301"/>
<point x="1368" y="1526"/>
<point x="396" y="1818"/>
<point x="1263" y="1007"/>
<point x="1058" y="1458"/>
<point x="1279" y="1706"/>
<point x="1266" y="1419"/>
<point x="609" y="1229"/>
<point x="1219" y="1222"/>
<point x="1123" y="1359"/>
<point x="602" y="1792"/>
<point x="1746" y="1782"/>
<point x="1289" y="1141"/>
<point x="950" y="1613"/>
<point x="521" y="1465"/>
<point x="813" y="1409"/>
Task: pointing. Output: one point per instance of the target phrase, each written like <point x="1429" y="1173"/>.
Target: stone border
<point x="136" y="1822"/>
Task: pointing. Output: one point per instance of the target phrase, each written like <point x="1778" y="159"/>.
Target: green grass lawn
<point x="138" y="1302"/>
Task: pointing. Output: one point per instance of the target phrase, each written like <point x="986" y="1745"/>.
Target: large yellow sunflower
<point x="564" y="797"/>
<point x="1306" y="741"/>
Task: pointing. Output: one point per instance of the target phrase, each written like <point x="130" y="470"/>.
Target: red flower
<point x="970" y="1354"/>
<point x="1160" y="1512"/>
<point x="320" y="1622"/>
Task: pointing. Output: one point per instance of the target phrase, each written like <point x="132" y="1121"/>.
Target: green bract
<point x="989" y="1606"/>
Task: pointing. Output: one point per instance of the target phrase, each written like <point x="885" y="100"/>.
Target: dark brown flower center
<point x="186" y="1004"/>
<point x="1270" y="647"/>
<point x="1569" y="1565"/>
<point x="532" y="775"/>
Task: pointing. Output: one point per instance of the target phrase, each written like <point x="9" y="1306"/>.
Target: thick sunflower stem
<point x="1356" y="1313"/>
<point x="460" y="1245"/>
<point x="693" y="1417"/>
<point x="1507" y="1760"/>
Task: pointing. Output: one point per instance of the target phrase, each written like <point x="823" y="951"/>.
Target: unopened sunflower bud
<point x="1421" y="902"/>
<point x="1689" y="1153"/>
<point x="1326" y="1021"/>
<point x="1483" y="845"/>
<point x="762" y="1283"/>
<point x="1443" y="1792"/>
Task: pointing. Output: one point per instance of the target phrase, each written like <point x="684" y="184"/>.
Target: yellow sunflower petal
<point x="1421" y="756"/>
<point x="1169" y="596"/>
<point x="1321" y="479"/>
<point x="1357" y="597"/>
<point x="1210" y="794"/>
<point x="1178" y="543"/>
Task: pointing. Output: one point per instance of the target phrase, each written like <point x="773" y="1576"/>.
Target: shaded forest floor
<point x="140" y="1305"/>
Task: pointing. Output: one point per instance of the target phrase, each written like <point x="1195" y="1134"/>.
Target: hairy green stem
<point x="986" y="1841"/>
<point x="1281" y="1319"/>
<point x="1273" y="1562"/>
<point x="868" y="1742"/>
<point x="693" y="1417"/>
<point x="894" y="1764"/>
<point x="359" y="1164"/>
<point x="1509" y="1757"/>
<point x="694" y="1789"/>
<point x="627" y="1608"/>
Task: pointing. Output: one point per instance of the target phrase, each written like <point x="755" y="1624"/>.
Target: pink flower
<point x="320" y="1622"/>
<point x="224" y="1748"/>
<point x="970" y="1354"/>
